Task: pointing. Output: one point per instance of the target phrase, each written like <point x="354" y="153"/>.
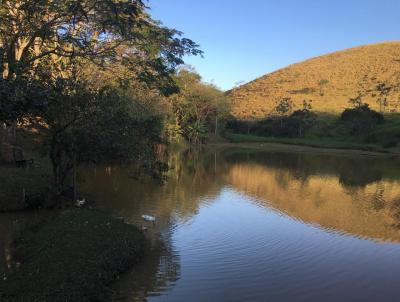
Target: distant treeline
<point x="358" y="121"/>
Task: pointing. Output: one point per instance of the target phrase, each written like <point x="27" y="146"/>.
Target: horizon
<point x="292" y="33"/>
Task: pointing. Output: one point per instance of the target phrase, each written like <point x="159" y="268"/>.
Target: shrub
<point x="238" y="126"/>
<point x="295" y="125"/>
<point x="361" y="119"/>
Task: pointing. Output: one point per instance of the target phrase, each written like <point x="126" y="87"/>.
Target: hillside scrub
<point x="72" y="258"/>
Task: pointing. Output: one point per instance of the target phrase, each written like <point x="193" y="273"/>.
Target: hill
<point x="329" y="81"/>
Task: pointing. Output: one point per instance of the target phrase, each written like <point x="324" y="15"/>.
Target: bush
<point x="237" y="126"/>
<point x="361" y="119"/>
<point x="295" y="125"/>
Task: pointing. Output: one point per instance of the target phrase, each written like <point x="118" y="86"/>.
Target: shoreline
<point x="293" y="147"/>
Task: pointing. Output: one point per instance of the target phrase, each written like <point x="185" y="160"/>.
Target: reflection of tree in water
<point x="378" y="200"/>
<point x="355" y="173"/>
<point x="395" y="213"/>
<point x="283" y="179"/>
<point x="156" y="273"/>
<point x="193" y="176"/>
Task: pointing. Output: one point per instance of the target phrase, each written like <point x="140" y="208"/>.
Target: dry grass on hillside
<point x="329" y="81"/>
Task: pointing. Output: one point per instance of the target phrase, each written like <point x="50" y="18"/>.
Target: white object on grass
<point x="80" y="202"/>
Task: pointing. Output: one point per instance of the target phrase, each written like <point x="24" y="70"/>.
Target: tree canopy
<point x="197" y="108"/>
<point x="49" y="39"/>
<point x="93" y="71"/>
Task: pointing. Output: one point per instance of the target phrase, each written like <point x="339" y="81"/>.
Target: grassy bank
<point x="316" y="142"/>
<point x="72" y="258"/>
<point x="329" y="132"/>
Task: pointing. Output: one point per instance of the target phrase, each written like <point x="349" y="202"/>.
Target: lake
<point x="249" y="225"/>
<point x="236" y="224"/>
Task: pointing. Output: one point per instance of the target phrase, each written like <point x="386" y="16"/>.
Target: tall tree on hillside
<point x="382" y="100"/>
<point x="284" y="106"/>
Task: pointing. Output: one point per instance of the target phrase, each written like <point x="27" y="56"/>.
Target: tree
<point x="96" y="126"/>
<point x="383" y="91"/>
<point x="284" y="106"/>
<point x="52" y="36"/>
<point x="360" y="119"/>
<point x="32" y="31"/>
<point x="198" y="107"/>
<point x="88" y="67"/>
<point x="304" y="119"/>
<point x="356" y="102"/>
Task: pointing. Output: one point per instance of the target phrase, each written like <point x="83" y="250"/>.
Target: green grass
<point x="317" y="142"/>
<point x="328" y="133"/>
<point x="73" y="258"/>
<point x="388" y="133"/>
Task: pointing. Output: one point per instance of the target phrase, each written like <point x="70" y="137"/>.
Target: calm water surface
<point x="247" y="225"/>
<point x="242" y="225"/>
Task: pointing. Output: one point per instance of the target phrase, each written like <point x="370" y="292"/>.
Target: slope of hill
<point x="329" y="81"/>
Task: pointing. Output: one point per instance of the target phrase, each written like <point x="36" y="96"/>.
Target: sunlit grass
<point x="346" y="72"/>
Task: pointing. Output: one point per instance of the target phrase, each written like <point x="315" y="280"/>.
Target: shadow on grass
<point x="73" y="257"/>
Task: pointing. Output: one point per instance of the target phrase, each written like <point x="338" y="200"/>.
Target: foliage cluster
<point x="197" y="110"/>
<point x="361" y="119"/>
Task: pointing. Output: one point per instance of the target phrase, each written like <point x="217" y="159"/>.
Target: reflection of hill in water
<point x="354" y="195"/>
<point x="351" y="170"/>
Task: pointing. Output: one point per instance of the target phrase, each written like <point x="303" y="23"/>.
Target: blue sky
<point x="244" y="39"/>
